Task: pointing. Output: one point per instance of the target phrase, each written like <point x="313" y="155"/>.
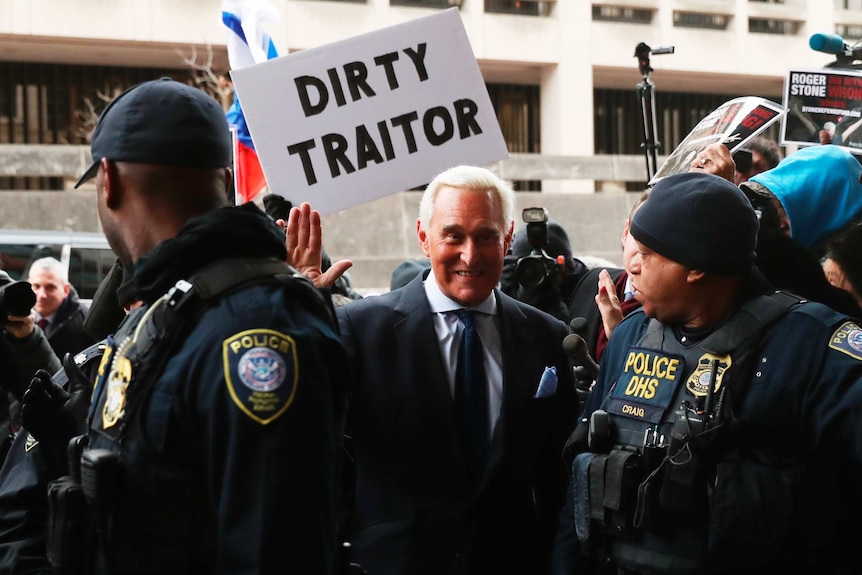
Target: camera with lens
<point x="532" y="270"/>
<point x="16" y="298"/>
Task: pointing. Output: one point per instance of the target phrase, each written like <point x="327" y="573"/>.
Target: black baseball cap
<point x="162" y="122"/>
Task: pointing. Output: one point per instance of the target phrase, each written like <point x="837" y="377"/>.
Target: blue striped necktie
<point x="471" y="394"/>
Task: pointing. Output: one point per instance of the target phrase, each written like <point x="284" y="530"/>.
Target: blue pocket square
<point x="548" y="383"/>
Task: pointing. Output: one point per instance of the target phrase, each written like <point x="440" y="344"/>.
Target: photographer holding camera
<point x="23" y="350"/>
<point x="540" y="269"/>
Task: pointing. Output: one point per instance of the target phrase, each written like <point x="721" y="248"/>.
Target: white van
<point x="87" y="256"/>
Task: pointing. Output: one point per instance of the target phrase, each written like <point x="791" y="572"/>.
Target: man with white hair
<point x="461" y="402"/>
<point x="59" y="312"/>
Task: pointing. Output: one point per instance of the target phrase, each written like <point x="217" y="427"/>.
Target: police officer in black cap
<point x="215" y="427"/>
<point x="725" y="432"/>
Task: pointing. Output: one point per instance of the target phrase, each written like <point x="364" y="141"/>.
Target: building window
<point x="700" y="20"/>
<point x="426" y="3"/>
<point x="622" y="14"/>
<point x="525" y="7"/>
<point x="769" y="26"/>
<point x="850" y="5"/>
<point x="849" y="31"/>
<point x="59" y="104"/>
<point x="617" y="118"/>
<point x="517" y="109"/>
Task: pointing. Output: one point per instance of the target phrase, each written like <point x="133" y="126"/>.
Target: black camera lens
<point x="531" y="271"/>
<point x="16" y="298"/>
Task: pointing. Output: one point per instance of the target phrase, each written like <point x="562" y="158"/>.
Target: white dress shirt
<point x="449" y="329"/>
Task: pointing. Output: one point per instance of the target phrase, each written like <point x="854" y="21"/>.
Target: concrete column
<point x="566" y="93"/>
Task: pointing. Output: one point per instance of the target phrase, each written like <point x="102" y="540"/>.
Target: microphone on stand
<point x="835" y="45"/>
<point x="576" y="348"/>
<point x="578" y="325"/>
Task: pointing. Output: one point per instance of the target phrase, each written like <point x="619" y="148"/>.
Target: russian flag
<point x="247" y="44"/>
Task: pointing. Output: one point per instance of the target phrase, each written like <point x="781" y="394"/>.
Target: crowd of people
<point x="228" y="404"/>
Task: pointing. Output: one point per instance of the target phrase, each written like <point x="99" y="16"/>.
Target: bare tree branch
<point x="88" y="117"/>
<point x="205" y="77"/>
<point x="202" y="75"/>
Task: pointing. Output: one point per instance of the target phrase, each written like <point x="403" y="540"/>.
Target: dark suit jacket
<point x="416" y="510"/>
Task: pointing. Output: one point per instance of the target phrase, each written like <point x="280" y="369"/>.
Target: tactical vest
<point x="643" y="490"/>
<point x="142" y="502"/>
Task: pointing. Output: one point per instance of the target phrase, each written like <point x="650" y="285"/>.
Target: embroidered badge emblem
<point x="261" y="372"/>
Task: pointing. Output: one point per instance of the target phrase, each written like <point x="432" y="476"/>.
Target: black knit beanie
<point x="699" y="220"/>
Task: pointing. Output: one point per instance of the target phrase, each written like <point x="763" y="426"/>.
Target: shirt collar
<point x="627" y="288"/>
<point x="440" y="303"/>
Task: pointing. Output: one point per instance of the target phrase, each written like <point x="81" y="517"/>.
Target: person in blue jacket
<point x="725" y="431"/>
<point x="215" y="429"/>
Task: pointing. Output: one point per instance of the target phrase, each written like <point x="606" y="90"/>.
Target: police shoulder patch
<point x="261" y="371"/>
<point x="848" y="339"/>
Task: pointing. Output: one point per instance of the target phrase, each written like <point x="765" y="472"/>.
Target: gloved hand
<point x="53" y="414"/>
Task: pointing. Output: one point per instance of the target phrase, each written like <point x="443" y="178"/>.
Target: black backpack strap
<point x="231" y="274"/>
<point x="755" y="318"/>
<point x="751" y="320"/>
<point x="223" y="276"/>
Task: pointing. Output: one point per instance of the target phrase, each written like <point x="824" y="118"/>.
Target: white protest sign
<point x="734" y="123"/>
<point x="359" y="119"/>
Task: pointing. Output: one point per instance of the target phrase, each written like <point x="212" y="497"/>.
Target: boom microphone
<point x="575" y="347"/>
<point x="578" y="325"/>
<point x="828" y="44"/>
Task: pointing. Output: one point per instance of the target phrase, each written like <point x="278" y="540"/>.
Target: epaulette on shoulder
<point x="824" y="314"/>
